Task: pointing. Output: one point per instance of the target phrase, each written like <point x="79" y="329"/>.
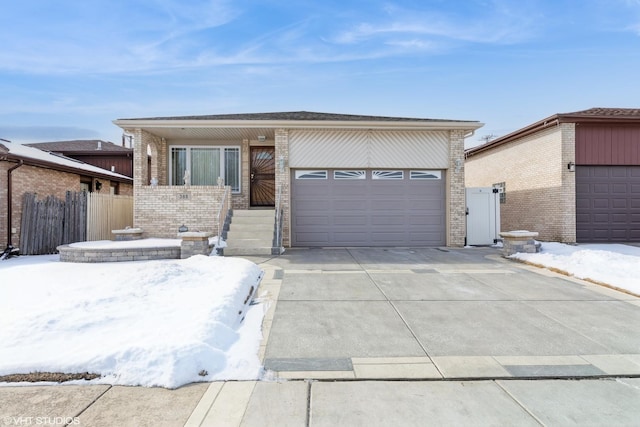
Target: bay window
<point x="205" y="164"/>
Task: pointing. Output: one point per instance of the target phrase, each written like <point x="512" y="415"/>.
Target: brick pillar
<point x="455" y="190"/>
<point x="282" y="181"/>
<point x="568" y="187"/>
<point x="194" y="243"/>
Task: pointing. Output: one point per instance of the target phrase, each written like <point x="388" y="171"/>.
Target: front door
<point x="263" y="176"/>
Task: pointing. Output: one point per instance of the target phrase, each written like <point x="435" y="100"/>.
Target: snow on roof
<point x="54" y="159"/>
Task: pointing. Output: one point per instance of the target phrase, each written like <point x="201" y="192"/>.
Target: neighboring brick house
<point x="343" y="180"/>
<point x="572" y="177"/>
<point x="30" y="170"/>
<point x="103" y="154"/>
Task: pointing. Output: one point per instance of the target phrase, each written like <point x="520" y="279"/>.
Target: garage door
<point x="607" y="203"/>
<point x="368" y="208"/>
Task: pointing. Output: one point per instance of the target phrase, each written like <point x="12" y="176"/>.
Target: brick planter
<point x="127" y="234"/>
<point x="519" y="241"/>
<point x="194" y="243"/>
<point x="79" y="254"/>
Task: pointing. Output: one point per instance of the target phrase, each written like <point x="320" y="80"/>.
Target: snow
<point x="151" y="323"/>
<point x="615" y="265"/>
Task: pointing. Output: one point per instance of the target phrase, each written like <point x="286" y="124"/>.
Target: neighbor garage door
<point x="607" y="203"/>
<point x="368" y="208"/>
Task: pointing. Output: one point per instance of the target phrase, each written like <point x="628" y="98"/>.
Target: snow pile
<point x="157" y="323"/>
<point x="613" y="264"/>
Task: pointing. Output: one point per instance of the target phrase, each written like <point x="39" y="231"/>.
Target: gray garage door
<point x="368" y="208"/>
<point x="607" y="203"/>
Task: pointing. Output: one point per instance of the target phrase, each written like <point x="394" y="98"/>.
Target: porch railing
<point x="277" y="248"/>
<point x="223" y="211"/>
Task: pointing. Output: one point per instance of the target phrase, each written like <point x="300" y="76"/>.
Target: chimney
<point x="99" y="145"/>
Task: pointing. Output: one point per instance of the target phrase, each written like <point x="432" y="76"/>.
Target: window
<point x="425" y="175"/>
<point x="502" y="189"/>
<point x="311" y="174"/>
<point x="387" y="175"/>
<point x="205" y="165"/>
<point x="349" y="175"/>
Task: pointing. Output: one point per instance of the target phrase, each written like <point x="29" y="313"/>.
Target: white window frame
<point x="312" y="175"/>
<point x="388" y="174"/>
<point x="349" y="174"/>
<point x="425" y="174"/>
<point x="222" y="149"/>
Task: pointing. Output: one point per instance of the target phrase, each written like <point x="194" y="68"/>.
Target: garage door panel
<point x="351" y="237"/>
<point x="309" y="220"/>
<point x="424" y="220"/>
<point x="311" y="238"/>
<point x="619" y="203"/>
<point x="607" y="203"/>
<point x="387" y="220"/>
<point x="600" y="203"/>
<point x="368" y="212"/>
<point x="349" y="220"/>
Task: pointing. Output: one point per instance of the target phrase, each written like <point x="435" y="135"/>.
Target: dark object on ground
<point x="47" y="376"/>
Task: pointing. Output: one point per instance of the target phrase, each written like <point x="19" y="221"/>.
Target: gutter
<point x="9" y="199"/>
<point x="528" y="130"/>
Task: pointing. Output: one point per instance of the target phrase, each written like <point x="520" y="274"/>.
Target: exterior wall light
<point x="571" y="166"/>
<point x="183" y="229"/>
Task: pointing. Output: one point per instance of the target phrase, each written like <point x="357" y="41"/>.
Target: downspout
<point x="9" y="199"/>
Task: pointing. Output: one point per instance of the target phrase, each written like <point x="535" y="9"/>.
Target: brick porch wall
<point x="161" y="210"/>
<point x="540" y="190"/>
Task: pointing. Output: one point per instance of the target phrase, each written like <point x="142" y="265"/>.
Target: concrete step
<point x="248" y="220"/>
<point x="248" y="243"/>
<point x="247" y="251"/>
<point x="254" y="213"/>
<point x="241" y="233"/>
<point x="250" y="232"/>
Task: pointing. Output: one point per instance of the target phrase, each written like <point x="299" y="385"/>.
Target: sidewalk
<point x="398" y="337"/>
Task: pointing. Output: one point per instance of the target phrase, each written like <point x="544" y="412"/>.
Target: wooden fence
<point x="51" y="222"/>
<point x="106" y="212"/>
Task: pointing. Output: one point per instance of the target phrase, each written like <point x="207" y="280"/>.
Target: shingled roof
<point x="630" y="113"/>
<point x="302" y="116"/>
<point x="592" y="115"/>
<point x="83" y="146"/>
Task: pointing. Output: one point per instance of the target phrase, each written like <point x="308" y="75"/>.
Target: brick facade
<point x="42" y="181"/>
<point x="540" y="190"/>
<point x="161" y="210"/>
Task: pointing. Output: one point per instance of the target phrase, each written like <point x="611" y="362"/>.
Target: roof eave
<point x="299" y="124"/>
<point x="29" y="161"/>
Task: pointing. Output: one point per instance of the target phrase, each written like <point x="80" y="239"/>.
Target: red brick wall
<point x="30" y="179"/>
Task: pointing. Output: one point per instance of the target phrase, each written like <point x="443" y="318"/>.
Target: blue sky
<point x="68" y="68"/>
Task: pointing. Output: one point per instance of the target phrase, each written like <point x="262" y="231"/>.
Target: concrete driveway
<point x="441" y="313"/>
<point x="405" y="337"/>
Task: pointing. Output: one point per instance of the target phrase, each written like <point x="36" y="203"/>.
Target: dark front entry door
<point x="263" y="176"/>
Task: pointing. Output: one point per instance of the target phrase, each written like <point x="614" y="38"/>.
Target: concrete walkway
<point x="398" y="337"/>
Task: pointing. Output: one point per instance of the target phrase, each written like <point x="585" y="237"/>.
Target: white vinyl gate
<point x="483" y="215"/>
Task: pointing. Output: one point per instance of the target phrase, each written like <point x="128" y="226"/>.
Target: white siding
<point x="368" y="149"/>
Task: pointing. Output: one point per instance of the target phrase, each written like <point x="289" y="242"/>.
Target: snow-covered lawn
<point x="152" y="323"/>
<point x="612" y="264"/>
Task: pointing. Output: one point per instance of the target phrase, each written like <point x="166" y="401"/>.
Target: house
<point x="103" y="154"/>
<point x="30" y="170"/>
<point x="572" y="177"/>
<point x="340" y="180"/>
